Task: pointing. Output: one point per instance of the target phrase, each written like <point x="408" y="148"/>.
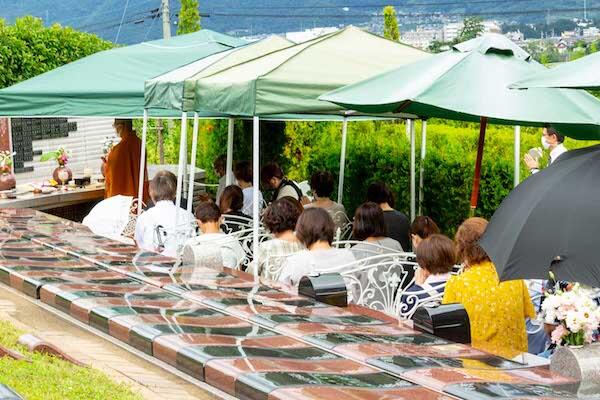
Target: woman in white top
<point x="315" y="230"/>
<point x="280" y="219"/>
<point x="321" y="185"/>
<point x="369" y="226"/>
<point x="243" y="175"/>
<point x="165" y="227"/>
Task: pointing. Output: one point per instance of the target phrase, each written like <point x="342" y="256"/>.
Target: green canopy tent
<point x="109" y="83"/>
<point x="470" y="83"/>
<point x="286" y="83"/>
<point x="583" y="73"/>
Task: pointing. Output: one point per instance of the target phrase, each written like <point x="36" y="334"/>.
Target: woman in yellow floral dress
<point x="497" y="310"/>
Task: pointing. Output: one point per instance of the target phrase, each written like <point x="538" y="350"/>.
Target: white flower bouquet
<point x="575" y="313"/>
<point x="108" y="144"/>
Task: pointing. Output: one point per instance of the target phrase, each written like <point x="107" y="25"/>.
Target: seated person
<point x="280" y="220"/>
<point x="315" y="231"/>
<point x="165" y="227"/>
<point x="497" y="310"/>
<point x="420" y="229"/>
<point x="321" y="185"/>
<point x="272" y="178"/>
<point x="212" y="247"/>
<point x="369" y="226"/>
<point x="243" y="175"/>
<point x="396" y="223"/>
<point x="231" y="204"/>
<point x="220" y="165"/>
<point x="436" y="257"/>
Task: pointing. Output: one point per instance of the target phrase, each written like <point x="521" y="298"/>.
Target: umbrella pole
<point x="422" y="166"/>
<point x="192" y="172"/>
<point x="229" y="165"/>
<point x="411" y="124"/>
<point x="476" y="178"/>
<point x="342" y="160"/>
<point x="142" y="162"/>
<point x="517" y="155"/>
<point x="182" y="158"/>
<point x="256" y="188"/>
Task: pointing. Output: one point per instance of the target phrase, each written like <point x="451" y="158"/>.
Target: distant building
<point x="309" y="34"/>
<point x="517" y="36"/>
<point x="421" y="37"/>
<point x="452" y="30"/>
<point x="592" y="32"/>
<point x="562" y="46"/>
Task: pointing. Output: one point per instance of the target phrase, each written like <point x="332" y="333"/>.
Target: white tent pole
<point x="411" y="127"/>
<point x="229" y="165"/>
<point x="182" y="157"/>
<point x="422" y="169"/>
<point x="142" y="162"/>
<point x="517" y="155"/>
<point x="255" y="190"/>
<point x="192" y="172"/>
<point x="342" y="160"/>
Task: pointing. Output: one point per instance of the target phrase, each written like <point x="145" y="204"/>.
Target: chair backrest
<point x="344" y="226"/>
<point x="175" y="236"/>
<point x="372" y="249"/>
<point x="407" y="302"/>
<point x="273" y="264"/>
<point x="234" y="223"/>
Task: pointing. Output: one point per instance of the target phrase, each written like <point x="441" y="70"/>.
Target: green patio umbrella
<point x="583" y="73"/>
<point x="470" y="83"/>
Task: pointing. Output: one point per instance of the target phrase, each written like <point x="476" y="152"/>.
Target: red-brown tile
<point x="327" y="392"/>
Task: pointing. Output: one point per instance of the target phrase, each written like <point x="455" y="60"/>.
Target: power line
<point x="121" y="23"/>
<point x="96" y="15"/>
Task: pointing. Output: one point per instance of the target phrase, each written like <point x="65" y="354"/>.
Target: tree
<point x="28" y="48"/>
<point x="189" y="17"/>
<point x="390" y="24"/>
<point x="472" y="27"/>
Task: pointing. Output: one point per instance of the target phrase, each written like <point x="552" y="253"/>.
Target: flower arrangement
<point x="60" y="155"/>
<point x="6" y="161"/>
<point x="574" y="312"/>
<point x="108" y="144"/>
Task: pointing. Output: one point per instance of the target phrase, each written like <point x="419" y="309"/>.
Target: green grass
<point x="49" y="378"/>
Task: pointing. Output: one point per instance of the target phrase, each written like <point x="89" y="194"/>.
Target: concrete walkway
<point x="152" y="382"/>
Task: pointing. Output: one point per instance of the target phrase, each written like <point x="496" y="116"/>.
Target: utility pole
<point x="585" y="10"/>
<point x="166" y="20"/>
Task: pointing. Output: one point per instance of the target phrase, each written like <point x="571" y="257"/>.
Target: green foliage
<point x="189" y="17"/>
<point x="28" y="48"/>
<point x="49" y="378"/>
<point x="472" y="27"/>
<point x="390" y="24"/>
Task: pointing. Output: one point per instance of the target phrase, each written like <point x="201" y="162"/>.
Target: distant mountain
<point x="141" y="20"/>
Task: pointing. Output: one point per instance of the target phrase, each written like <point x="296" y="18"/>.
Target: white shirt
<point x="223" y="185"/>
<point x="231" y="251"/>
<point x="307" y="262"/>
<point x="248" y="193"/>
<point x="164" y="224"/>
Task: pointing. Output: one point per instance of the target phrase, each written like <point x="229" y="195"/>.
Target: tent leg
<point x="256" y="186"/>
<point x="422" y="166"/>
<point x="182" y="158"/>
<point x="411" y="128"/>
<point x="192" y="172"/>
<point x="142" y="162"/>
<point x="476" y="178"/>
<point x="517" y="151"/>
<point x="229" y="166"/>
<point x="342" y="160"/>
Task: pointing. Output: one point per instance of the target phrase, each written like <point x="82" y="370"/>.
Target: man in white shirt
<point x="212" y="248"/>
<point x="243" y="175"/>
<point x="552" y="141"/>
<point x="165" y="227"/>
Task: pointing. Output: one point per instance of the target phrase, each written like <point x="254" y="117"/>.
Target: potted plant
<point x="7" y="178"/>
<point x="62" y="174"/>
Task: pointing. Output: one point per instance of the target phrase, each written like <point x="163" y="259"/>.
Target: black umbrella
<point x="551" y="222"/>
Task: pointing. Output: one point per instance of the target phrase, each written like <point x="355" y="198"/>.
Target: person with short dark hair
<point x="231" y="204"/>
<point x="552" y="141"/>
<point x="159" y="228"/>
<point x="243" y="174"/>
<point x="220" y="166"/>
<point x="421" y="228"/>
<point x="280" y="219"/>
<point x="208" y="216"/>
<point x="315" y="230"/>
<point x="369" y="226"/>
<point x="497" y="310"/>
<point x="436" y="257"/>
<point x="272" y="177"/>
<point x="397" y="224"/>
<point x="321" y="185"/>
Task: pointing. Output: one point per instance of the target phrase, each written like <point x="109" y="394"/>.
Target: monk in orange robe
<point x="121" y="168"/>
